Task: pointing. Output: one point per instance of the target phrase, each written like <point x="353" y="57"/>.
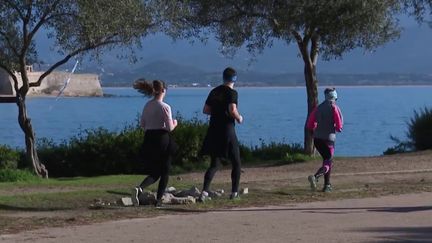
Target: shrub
<point x="101" y="152"/>
<point x="189" y="135"/>
<point x="11" y="175"/>
<point x="9" y="158"/>
<point x="419" y="134"/>
<point x="420" y="129"/>
<point x="94" y="152"/>
<point x="273" y="151"/>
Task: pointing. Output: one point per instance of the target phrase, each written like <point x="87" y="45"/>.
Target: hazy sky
<point x="409" y="54"/>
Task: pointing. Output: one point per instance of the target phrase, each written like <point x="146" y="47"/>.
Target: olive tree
<point x="78" y="27"/>
<point x="326" y="29"/>
<point x="420" y="9"/>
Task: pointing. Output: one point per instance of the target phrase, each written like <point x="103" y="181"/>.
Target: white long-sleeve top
<point x="157" y="115"/>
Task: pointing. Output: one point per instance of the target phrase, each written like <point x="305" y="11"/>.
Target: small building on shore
<point x="79" y="84"/>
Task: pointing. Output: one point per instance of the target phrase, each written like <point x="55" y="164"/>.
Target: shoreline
<point x="287" y="87"/>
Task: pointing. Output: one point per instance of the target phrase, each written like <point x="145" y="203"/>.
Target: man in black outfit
<point x="221" y="139"/>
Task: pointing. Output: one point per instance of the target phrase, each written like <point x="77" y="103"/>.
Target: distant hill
<point x="184" y="75"/>
<point x="405" y="61"/>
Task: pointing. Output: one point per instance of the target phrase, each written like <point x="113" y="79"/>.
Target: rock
<point x="147" y="198"/>
<point x="126" y="201"/>
<point x="193" y="192"/>
<point x="183" y="200"/>
<point x="217" y="193"/>
<point x="244" y="191"/>
<point x="167" y="197"/>
<point x="170" y="189"/>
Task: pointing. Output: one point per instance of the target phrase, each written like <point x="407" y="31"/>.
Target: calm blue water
<point x="371" y="114"/>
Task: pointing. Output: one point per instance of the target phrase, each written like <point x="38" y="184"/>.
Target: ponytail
<point x="149" y="89"/>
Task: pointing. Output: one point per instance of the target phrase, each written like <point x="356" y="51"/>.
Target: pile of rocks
<point x="174" y="196"/>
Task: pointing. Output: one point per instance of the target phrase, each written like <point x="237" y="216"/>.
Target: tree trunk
<point x="31" y="152"/>
<point x="310" y="60"/>
<point x="312" y="101"/>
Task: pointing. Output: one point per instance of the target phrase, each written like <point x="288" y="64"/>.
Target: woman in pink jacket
<point x="325" y="120"/>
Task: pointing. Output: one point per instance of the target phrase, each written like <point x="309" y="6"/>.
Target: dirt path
<point x="387" y="219"/>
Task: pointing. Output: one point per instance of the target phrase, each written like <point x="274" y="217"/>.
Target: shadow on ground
<point x="401" y="234"/>
<point x="31" y="209"/>
<point x="335" y="210"/>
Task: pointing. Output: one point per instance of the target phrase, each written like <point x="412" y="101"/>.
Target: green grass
<point x="61" y="202"/>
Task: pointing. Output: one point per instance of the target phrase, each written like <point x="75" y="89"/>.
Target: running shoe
<point x="313" y="182"/>
<point x="158" y="203"/>
<point x="204" y="197"/>
<point x="135" y="195"/>
<point x="327" y="188"/>
<point x="234" y="196"/>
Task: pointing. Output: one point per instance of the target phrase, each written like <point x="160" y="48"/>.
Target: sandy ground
<point x="403" y="218"/>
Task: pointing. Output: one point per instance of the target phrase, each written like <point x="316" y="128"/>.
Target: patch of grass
<point x="61" y="202"/>
<point x="14" y="175"/>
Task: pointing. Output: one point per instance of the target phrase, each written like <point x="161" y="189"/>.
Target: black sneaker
<point x="158" y="203"/>
<point x="235" y="196"/>
<point x="327" y="188"/>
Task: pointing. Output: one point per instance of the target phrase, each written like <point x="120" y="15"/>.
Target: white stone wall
<point x="79" y="84"/>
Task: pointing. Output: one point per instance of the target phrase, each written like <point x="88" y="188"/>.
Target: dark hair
<point x="328" y="90"/>
<point x="149" y="89"/>
<point x="228" y="74"/>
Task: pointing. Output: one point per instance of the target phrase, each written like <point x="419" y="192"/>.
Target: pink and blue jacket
<point x="325" y="120"/>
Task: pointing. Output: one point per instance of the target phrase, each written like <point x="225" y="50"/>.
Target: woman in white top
<point x="158" y="146"/>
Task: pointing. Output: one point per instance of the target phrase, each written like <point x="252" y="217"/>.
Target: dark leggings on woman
<point x="162" y="183"/>
<point x="326" y="150"/>
<point x="215" y="164"/>
<point x="157" y="151"/>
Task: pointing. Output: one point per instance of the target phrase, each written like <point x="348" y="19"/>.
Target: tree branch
<point x="26" y="21"/>
<point x="67" y="58"/>
<point x="8" y="40"/>
<point x="43" y="19"/>
<point x="14" y="6"/>
<point x="314" y="48"/>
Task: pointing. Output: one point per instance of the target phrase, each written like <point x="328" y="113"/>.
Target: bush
<point x="11" y="175"/>
<point x="101" y="152"/>
<point x="189" y="136"/>
<point x="420" y="129"/>
<point x="273" y="151"/>
<point x="419" y="134"/>
<point x="94" y="152"/>
<point x="9" y="158"/>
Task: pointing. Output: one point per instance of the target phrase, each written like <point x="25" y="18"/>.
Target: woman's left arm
<point x="170" y="123"/>
<point x="338" y="118"/>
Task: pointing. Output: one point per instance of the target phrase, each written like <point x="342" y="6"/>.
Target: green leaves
<point x="77" y="26"/>
<point x="338" y="25"/>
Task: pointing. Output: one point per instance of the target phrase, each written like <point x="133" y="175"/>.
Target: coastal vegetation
<point x="319" y="29"/>
<point x="99" y="151"/>
<point x="86" y="28"/>
<point x="78" y="28"/>
<point x="419" y="134"/>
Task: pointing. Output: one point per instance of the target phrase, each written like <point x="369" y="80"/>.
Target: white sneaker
<point x="313" y="182"/>
<point x="135" y="195"/>
<point x="204" y="197"/>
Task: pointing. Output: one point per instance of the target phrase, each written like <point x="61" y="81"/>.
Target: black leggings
<point x="215" y="164"/>
<point x="152" y="178"/>
<point x="326" y="150"/>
